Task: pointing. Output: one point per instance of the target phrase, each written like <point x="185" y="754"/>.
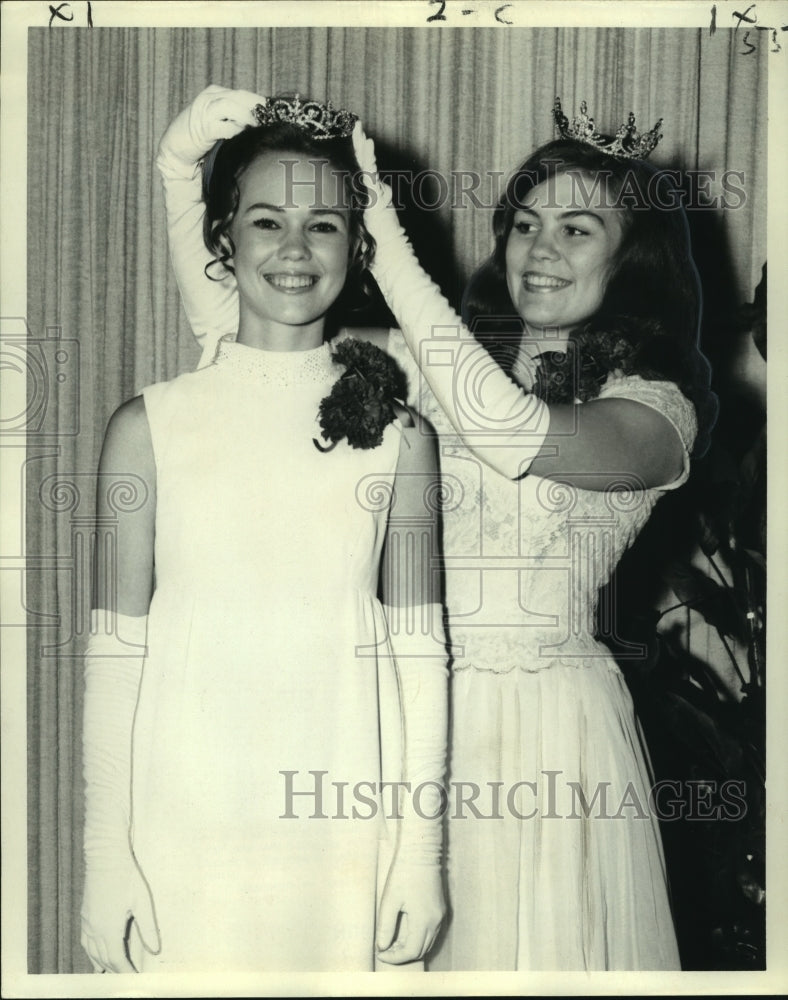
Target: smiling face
<point x="292" y="243"/>
<point x="560" y="251"/>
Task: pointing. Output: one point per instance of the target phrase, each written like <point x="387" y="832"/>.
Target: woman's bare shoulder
<point x="129" y="419"/>
<point x="128" y="439"/>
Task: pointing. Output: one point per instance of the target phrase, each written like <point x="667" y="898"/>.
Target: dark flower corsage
<point x="361" y="403"/>
<point x="625" y="345"/>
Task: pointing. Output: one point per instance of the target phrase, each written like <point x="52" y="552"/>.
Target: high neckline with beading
<point x="275" y="368"/>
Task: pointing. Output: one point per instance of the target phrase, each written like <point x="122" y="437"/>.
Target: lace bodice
<point x="525" y="560"/>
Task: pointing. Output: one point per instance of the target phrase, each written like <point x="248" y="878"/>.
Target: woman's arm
<point x="608" y="443"/>
<point x="117" y="911"/>
<point x="592" y="445"/>
<point x="216" y="113"/>
<point x="414" y="579"/>
<point x="127" y="472"/>
<point x="413" y="894"/>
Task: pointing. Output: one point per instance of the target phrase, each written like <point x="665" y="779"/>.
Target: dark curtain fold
<point x="103" y="303"/>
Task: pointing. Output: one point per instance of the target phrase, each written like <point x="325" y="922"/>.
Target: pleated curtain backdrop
<point x="103" y="302"/>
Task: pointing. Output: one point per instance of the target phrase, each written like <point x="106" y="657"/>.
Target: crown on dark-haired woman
<point x="627" y="143"/>
<point x="321" y="121"/>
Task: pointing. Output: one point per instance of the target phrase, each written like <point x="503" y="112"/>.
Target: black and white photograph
<point x="384" y="476"/>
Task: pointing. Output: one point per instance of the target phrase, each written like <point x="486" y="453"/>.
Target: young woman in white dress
<point x="557" y="438"/>
<point x="267" y="641"/>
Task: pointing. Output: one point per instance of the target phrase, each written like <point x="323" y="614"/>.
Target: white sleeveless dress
<point x="260" y="692"/>
<point x="543" y="875"/>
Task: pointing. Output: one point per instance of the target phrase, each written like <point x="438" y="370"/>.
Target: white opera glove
<point x="115" y="889"/>
<point x="504" y="425"/>
<point x="414" y="885"/>
<point x="216" y="113"/>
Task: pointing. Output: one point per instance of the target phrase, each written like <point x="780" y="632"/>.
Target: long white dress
<point x="260" y="691"/>
<point x="555" y="858"/>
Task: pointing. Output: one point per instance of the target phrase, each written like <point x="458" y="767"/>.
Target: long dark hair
<point x="230" y="158"/>
<point x="652" y="298"/>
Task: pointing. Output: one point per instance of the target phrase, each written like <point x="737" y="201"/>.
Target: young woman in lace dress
<point x="557" y="438"/>
<point x="601" y="398"/>
<point x="242" y="667"/>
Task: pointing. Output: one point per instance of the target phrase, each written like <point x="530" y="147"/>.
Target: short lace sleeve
<point x="667" y="398"/>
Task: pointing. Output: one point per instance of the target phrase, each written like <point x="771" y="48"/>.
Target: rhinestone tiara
<point x="321" y="121"/>
<point x="627" y="143"/>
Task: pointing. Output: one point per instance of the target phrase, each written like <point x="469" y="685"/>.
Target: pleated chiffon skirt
<point x="557" y="862"/>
